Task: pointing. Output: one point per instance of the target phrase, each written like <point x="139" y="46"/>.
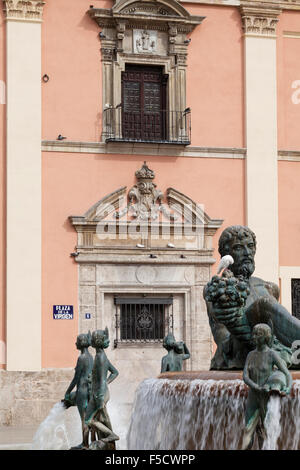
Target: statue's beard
<point x="245" y="269"/>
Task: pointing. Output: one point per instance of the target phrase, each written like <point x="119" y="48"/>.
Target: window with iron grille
<point x="143" y="320"/>
<point x="296" y="298"/>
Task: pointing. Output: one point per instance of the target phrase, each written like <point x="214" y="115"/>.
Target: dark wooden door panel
<point x="143" y="103"/>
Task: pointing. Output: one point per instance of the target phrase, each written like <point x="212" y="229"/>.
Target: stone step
<point x="16" y="437"/>
<point x="15" y="446"/>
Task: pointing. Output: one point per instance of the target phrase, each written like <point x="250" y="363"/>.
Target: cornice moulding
<point x="283" y="4"/>
<point x="289" y="155"/>
<point x="143" y="149"/>
<point x="159" y="149"/>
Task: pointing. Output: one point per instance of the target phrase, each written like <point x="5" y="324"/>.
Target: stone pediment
<point x="104" y="207"/>
<point x="110" y="207"/>
<point x="132" y="12"/>
<point x="193" y="212"/>
<point x="152" y="8"/>
<point x="142" y="213"/>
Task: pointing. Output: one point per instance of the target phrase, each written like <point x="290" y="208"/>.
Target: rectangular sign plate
<point x="63" y="312"/>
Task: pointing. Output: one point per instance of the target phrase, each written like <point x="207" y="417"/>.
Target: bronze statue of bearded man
<point x="237" y="301"/>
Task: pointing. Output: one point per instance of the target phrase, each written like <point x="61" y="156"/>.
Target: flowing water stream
<point x="206" y="414"/>
<point x="273" y="423"/>
<point x="61" y="429"/>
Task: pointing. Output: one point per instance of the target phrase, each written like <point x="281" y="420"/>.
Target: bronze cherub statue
<point x="81" y="380"/>
<point x="96" y="417"/>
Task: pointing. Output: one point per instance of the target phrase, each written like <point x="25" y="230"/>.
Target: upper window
<point x="144" y="46"/>
<point x="144" y="114"/>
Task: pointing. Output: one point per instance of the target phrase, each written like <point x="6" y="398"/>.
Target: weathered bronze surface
<point x="177" y="353"/>
<point x="97" y="420"/>
<point x="265" y="372"/>
<point x="81" y="380"/>
<point x="237" y="301"/>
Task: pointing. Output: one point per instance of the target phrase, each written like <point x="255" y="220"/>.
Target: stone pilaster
<point x="259" y="23"/>
<point x="23" y="194"/>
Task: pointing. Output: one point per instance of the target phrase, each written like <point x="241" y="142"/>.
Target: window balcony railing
<point x="152" y="126"/>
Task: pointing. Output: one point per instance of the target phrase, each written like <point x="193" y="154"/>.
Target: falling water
<point x="272" y="423"/>
<point x="289" y="438"/>
<point x="204" y="414"/>
<point x="59" y="431"/>
<point x="183" y="415"/>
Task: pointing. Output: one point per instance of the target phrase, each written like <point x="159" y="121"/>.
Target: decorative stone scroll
<point x="31" y="10"/>
<point x="145" y="201"/>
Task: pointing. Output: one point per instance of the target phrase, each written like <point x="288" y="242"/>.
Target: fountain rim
<point x="212" y="375"/>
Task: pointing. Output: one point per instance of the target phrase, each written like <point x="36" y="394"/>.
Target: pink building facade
<point x="227" y="76"/>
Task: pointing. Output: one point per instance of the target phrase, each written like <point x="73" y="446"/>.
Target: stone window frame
<point x="112" y="87"/>
<point x="168" y="16"/>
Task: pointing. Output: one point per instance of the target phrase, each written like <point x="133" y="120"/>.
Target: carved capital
<point x="108" y="49"/>
<point x="181" y="59"/>
<point x="30" y="10"/>
<point x="107" y="54"/>
<point x="258" y="21"/>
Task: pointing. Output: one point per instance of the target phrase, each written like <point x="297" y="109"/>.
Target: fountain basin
<point x="203" y="410"/>
<point x="212" y="375"/>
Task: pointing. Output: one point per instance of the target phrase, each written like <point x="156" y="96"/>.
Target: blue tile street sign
<point x="88" y="316"/>
<point x="63" y="312"/>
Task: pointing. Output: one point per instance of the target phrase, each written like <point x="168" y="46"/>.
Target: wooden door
<point x="144" y="103"/>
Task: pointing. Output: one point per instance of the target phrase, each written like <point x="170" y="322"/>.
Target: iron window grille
<point x="143" y="320"/>
<point x="296" y="298"/>
<point x="174" y="126"/>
